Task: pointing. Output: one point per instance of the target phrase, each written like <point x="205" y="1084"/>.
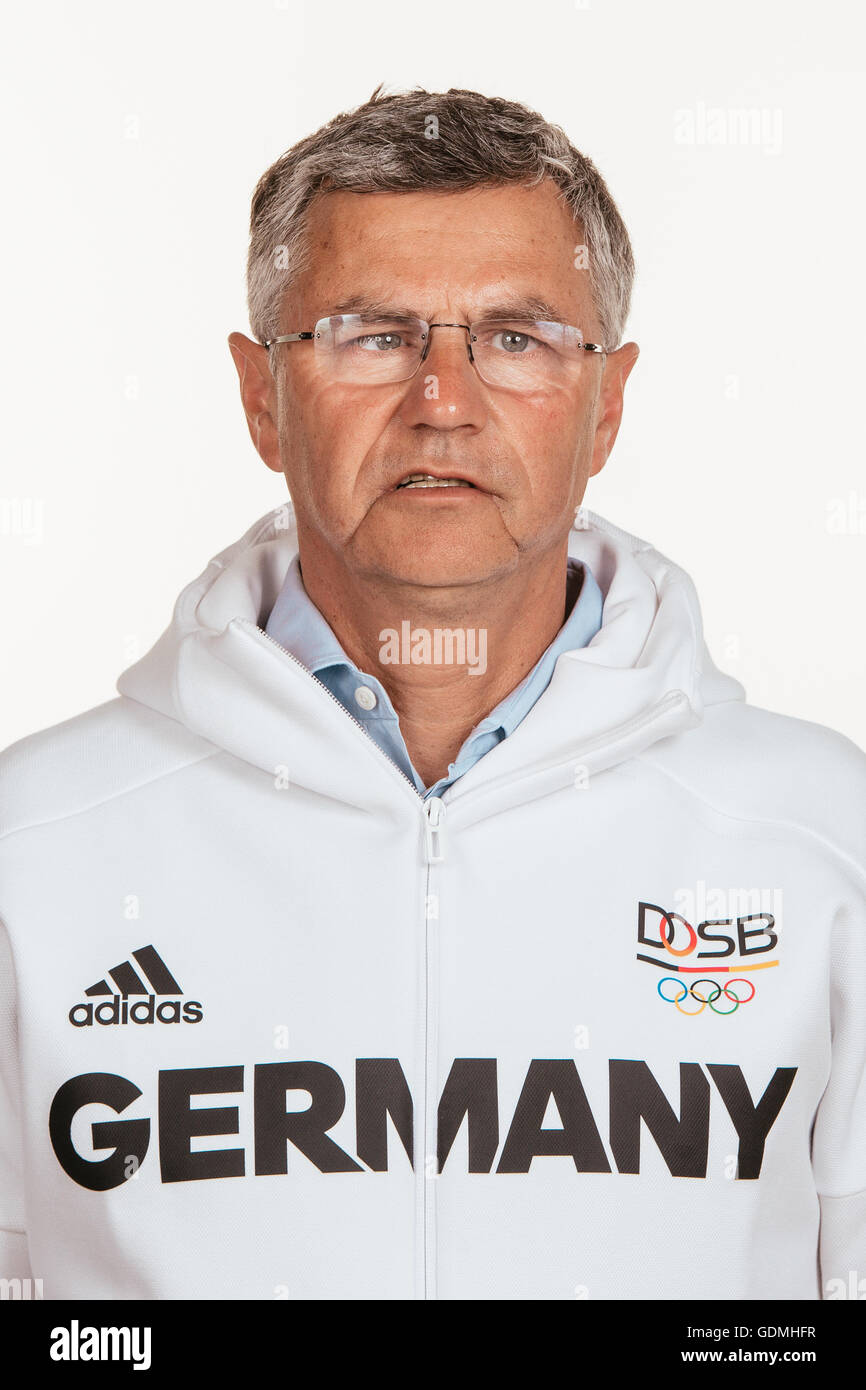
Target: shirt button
<point x="365" y="697"/>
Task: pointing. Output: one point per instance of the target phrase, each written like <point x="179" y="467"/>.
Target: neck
<point x="446" y="656"/>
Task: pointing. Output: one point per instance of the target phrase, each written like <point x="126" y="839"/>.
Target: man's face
<point x="344" y="448"/>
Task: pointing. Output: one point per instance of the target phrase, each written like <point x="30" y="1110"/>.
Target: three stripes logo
<point x="132" y="996"/>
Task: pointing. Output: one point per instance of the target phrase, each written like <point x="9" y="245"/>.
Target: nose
<point x="446" y="392"/>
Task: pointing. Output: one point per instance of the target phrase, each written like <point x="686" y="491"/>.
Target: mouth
<point x="430" y="480"/>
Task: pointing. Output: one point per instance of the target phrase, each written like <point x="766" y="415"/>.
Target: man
<point x="429" y="917"/>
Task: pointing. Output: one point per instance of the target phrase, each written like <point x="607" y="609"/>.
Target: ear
<point x="259" y="396"/>
<point x="617" y="367"/>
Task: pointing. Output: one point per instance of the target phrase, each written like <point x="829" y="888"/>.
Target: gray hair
<point x="411" y="141"/>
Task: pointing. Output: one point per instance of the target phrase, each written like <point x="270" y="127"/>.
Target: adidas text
<point x="147" y="1010"/>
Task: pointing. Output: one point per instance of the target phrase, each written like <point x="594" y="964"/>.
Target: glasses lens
<point x="364" y="349"/>
<point x="527" y="356"/>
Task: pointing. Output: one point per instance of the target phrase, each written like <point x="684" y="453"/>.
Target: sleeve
<point x="14" y="1259"/>
<point x="839" y="1133"/>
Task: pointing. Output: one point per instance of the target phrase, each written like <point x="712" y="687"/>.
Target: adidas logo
<point x="129" y="980"/>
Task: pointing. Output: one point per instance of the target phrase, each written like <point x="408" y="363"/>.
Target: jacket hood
<point x="646" y="674"/>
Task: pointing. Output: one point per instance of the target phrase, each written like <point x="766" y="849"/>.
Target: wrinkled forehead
<point x="471" y="253"/>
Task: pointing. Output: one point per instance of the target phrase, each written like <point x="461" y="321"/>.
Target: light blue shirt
<point x="296" y="623"/>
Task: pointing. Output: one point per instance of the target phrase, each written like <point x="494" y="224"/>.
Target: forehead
<point x="432" y="250"/>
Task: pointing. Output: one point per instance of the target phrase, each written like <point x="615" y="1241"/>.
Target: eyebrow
<point x="363" y="304"/>
<point x="518" y="307"/>
<point x="524" y="307"/>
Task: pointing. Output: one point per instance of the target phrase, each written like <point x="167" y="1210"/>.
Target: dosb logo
<point x="692" y="956"/>
<point x="129" y="981"/>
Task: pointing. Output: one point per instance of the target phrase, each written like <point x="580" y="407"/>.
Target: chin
<point x="438" y="550"/>
<point x="429" y="566"/>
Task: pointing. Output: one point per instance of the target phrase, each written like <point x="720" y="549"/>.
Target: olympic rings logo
<point x="702" y="999"/>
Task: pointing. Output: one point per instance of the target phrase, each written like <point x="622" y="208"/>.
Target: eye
<point x="512" y="341"/>
<point x="379" y="342"/>
<point x="517" y="342"/>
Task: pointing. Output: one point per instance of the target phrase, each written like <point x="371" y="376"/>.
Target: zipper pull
<point x="434" y="829"/>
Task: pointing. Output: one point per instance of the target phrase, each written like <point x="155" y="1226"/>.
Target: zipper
<point x="427" y="1211"/>
<point x="434" y="809"/>
<point x="435" y="830"/>
<point x="260" y="632"/>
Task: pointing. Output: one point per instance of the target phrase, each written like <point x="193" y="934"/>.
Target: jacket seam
<point x="675" y="576"/>
<point x="106" y="800"/>
<point x="789" y="826"/>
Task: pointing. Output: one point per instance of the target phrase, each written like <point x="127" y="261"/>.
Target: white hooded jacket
<point x="590" y="1025"/>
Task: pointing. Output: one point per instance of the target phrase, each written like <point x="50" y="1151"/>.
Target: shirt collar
<point x="578" y="630"/>
<point x="298" y="625"/>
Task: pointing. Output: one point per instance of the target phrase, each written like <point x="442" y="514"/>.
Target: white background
<point x="133" y="137"/>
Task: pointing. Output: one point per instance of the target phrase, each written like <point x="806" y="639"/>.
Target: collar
<point x="298" y="625"/>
